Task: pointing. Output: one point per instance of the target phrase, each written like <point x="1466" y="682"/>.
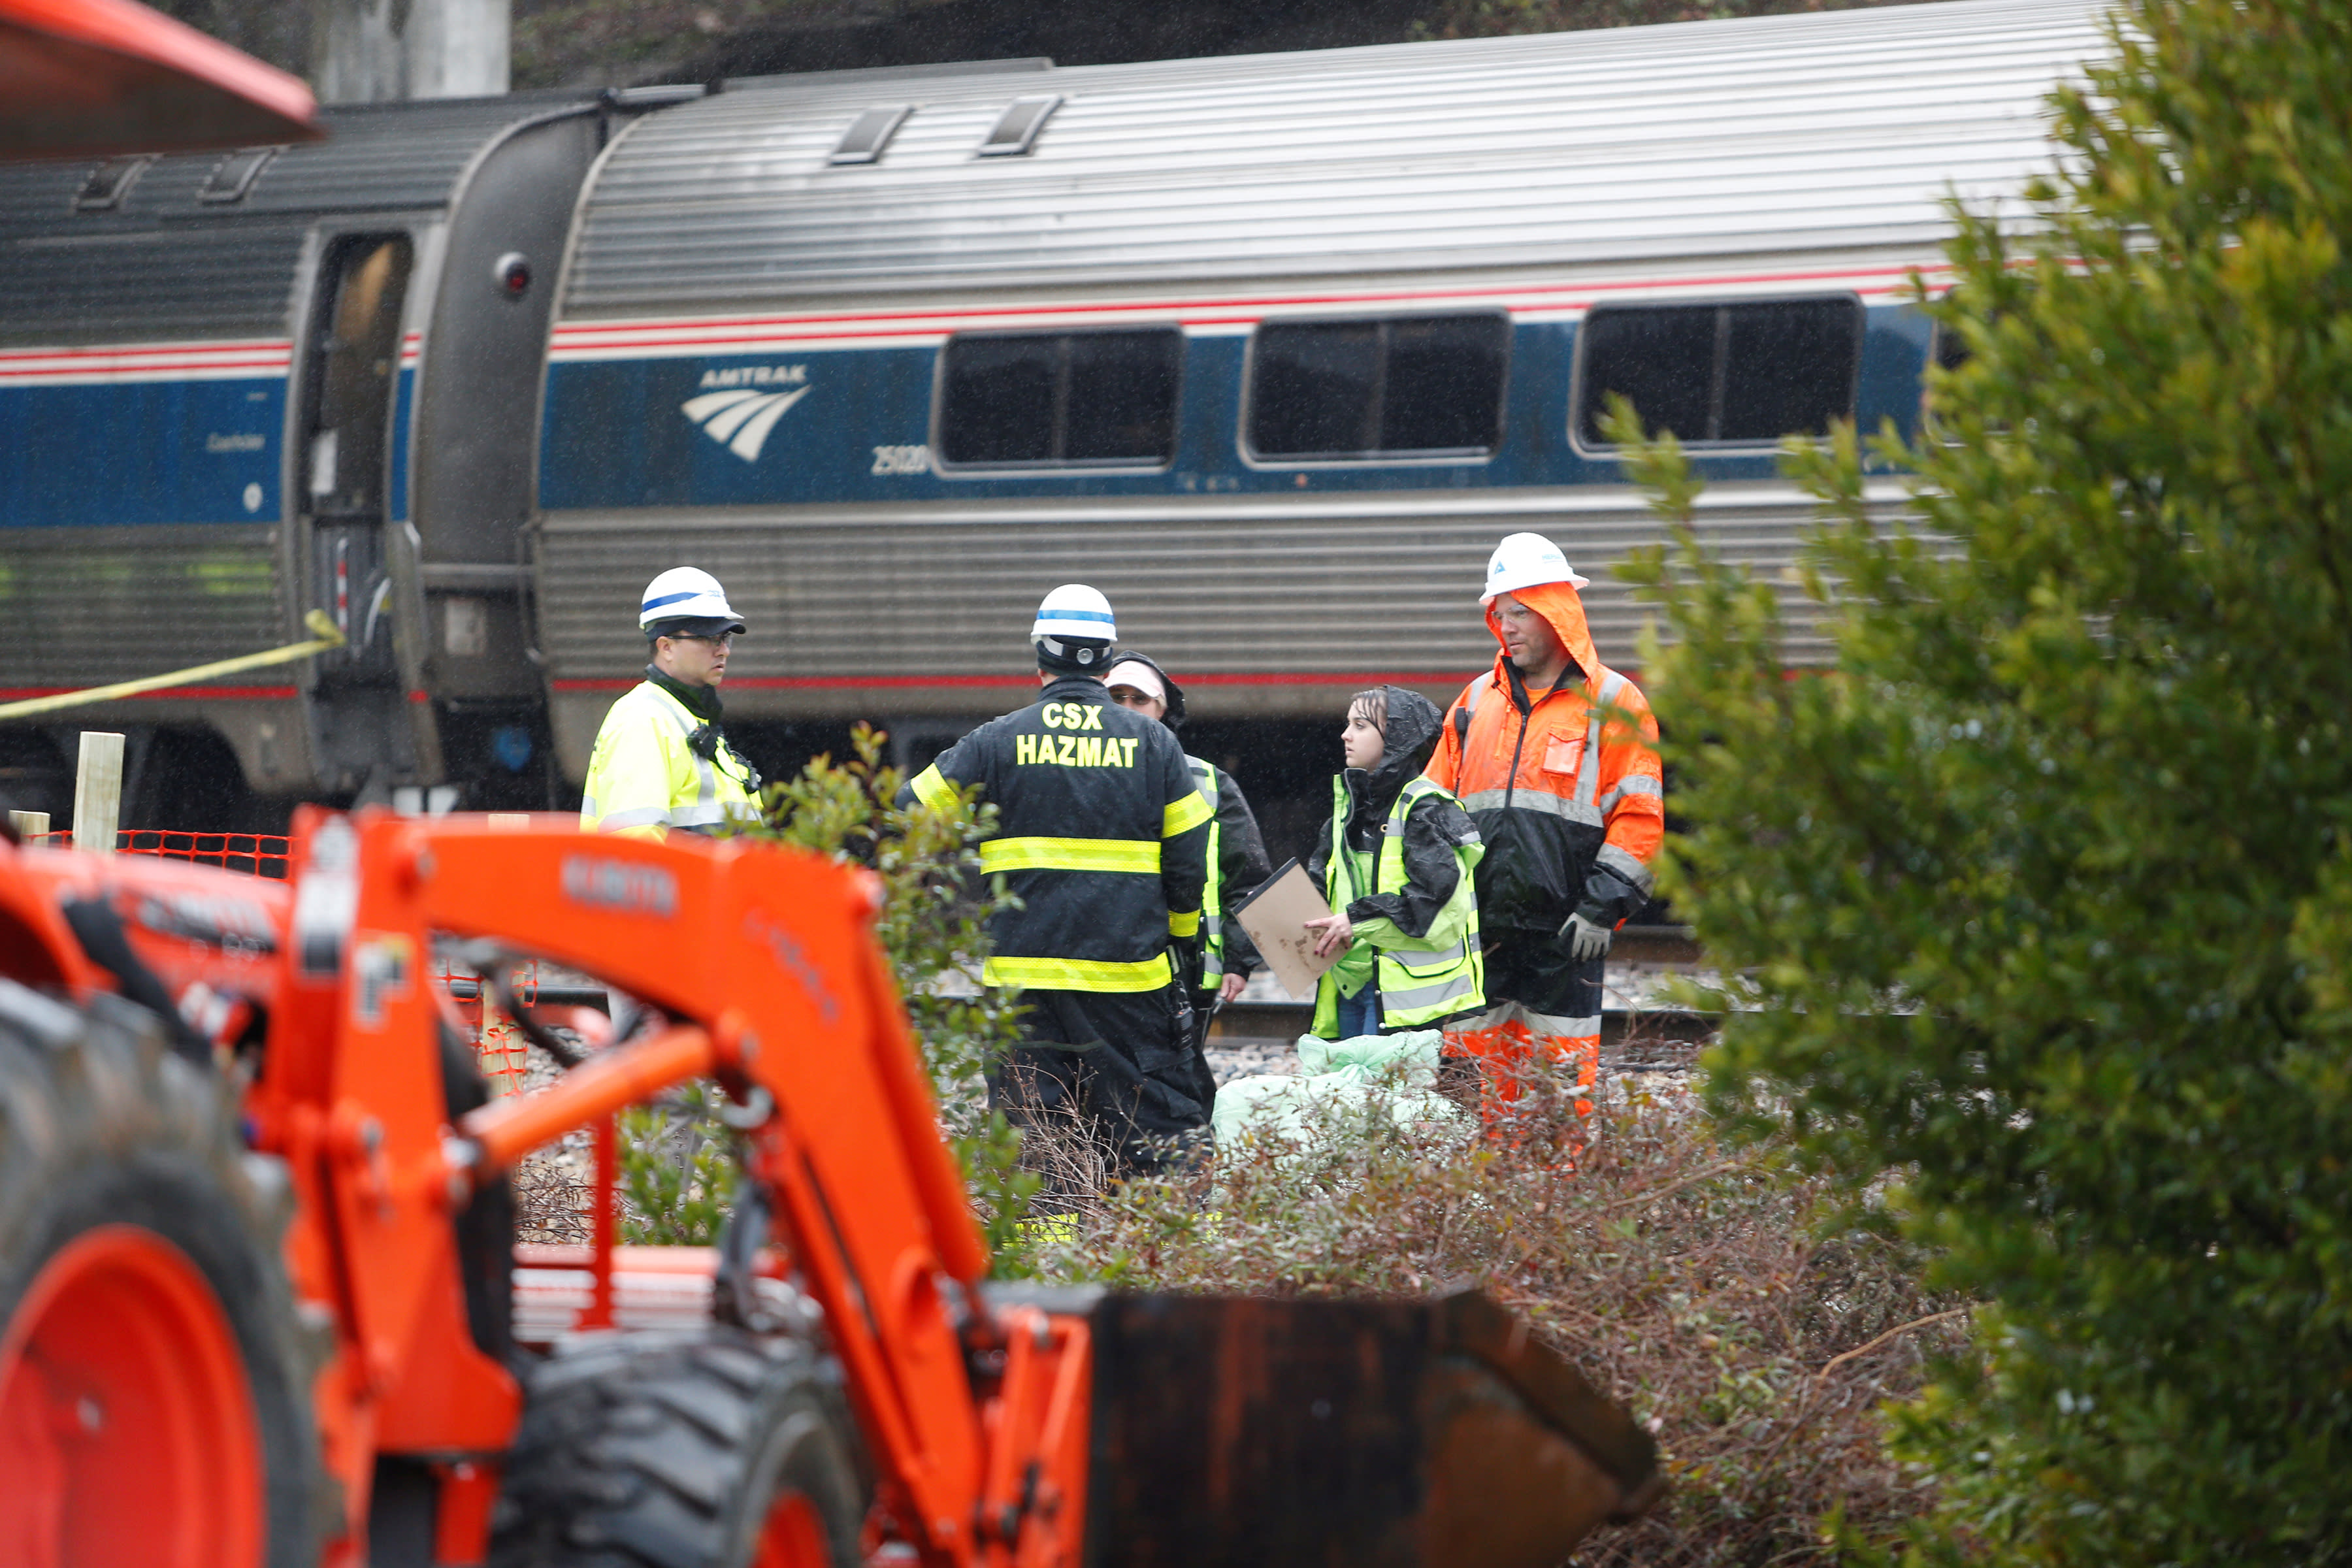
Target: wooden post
<point x="98" y="792"/>
<point x="29" y="825"/>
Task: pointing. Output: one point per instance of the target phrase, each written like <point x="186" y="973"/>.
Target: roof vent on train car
<point x="233" y="176"/>
<point x="110" y="182"/>
<point x="660" y="95"/>
<point x="868" y="135"/>
<point x="1017" y="128"/>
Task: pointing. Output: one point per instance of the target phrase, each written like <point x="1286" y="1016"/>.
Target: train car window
<point x="1122" y="399"/>
<point x="1069" y="398"/>
<point x="868" y="135"/>
<point x="1418" y="386"/>
<point x="1663" y="360"/>
<point x="1315" y="389"/>
<point x="363" y="287"/>
<point x="1016" y="132"/>
<point x="1745" y="373"/>
<point x="110" y="183"/>
<point x="233" y="176"/>
<point x="1789" y="368"/>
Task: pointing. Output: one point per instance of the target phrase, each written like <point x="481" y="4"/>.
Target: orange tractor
<point x="258" y="1277"/>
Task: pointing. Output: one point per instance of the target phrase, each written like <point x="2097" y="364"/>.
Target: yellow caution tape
<point x="328" y="637"/>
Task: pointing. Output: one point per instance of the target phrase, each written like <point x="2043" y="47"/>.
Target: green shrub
<point x="678" y="1170"/>
<point x="2045" y="891"/>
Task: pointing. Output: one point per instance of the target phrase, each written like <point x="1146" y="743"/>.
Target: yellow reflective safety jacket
<point x="647" y="775"/>
<point x="1100" y="830"/>
<point x="1237" y="865"/>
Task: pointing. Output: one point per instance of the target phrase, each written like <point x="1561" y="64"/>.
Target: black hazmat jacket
<point x="1431" y="831"/>
<point x="1101" y="831"/>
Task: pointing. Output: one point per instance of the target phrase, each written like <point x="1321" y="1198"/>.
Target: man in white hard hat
<point x="1555" y="756"/>
<point x="1103" y="834"/>
<point x="661" y="760"/>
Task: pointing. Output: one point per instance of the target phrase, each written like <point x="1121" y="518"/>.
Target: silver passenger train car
<point x="1270" y="349"/>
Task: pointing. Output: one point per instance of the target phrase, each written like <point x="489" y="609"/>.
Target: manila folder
<point x="1275" y="917"/>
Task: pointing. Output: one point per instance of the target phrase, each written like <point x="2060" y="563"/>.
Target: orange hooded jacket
<point x="1566" y="790"/>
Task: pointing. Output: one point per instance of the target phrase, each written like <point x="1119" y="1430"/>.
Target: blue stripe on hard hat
<point x="672" y="598"/>
<point x="1062" y="614"/>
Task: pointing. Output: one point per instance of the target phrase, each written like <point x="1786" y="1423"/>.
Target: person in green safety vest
<point x="1395" y="860"/>
<point x="1237" y="862"/>
<point x="661" y="760"/>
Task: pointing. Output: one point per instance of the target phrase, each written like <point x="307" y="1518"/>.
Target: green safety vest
<point x="1424" y="979"/>
<point x="1212" y="904"/>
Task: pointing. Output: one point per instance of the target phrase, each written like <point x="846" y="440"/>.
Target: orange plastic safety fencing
<point x="499" y="1046"/>
<point x="256" y="854"/>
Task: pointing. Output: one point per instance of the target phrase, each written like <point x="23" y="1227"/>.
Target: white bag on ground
<point x="1336" y="1077"/>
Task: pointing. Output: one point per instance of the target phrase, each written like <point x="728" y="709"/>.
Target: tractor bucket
<point x="1362" y="1434"/>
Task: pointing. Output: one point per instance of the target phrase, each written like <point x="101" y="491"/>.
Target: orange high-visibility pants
<point x="1510" y="1036"/>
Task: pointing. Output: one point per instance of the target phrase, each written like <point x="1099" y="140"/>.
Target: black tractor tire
<point x="670" y="1449"/>
<point x="101" y="1126"/>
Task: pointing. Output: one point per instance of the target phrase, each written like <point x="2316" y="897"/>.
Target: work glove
<point x="1581" y="939"/>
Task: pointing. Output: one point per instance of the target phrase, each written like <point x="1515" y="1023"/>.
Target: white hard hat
<point x="1524" y="560"/>
<point x="686" y="594"/>
<point x="1076" y="614"/>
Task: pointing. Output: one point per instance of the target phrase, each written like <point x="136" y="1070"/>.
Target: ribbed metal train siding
<point x="855" y="596"/>
<point x="166" y="266"/>
<point x="148" y="285"/>
<point x="1747" y="138"/>
<point x="84" y="607"/>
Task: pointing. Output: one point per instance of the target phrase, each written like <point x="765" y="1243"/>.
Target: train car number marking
<point x="902" y="459"/>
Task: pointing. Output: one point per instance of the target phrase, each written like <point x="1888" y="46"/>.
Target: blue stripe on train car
<point x="829" y="425"/>
<point x="141" y="452"/>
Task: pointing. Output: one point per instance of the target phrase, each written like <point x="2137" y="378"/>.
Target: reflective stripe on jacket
<point x="1423" y="980"/>
<point x="1237" y="865"/>
<point x="643" y="777"/>
<point x="1567" y="793"/>
<point x="1212" y="904"/>
<point x="1101" y="831"/>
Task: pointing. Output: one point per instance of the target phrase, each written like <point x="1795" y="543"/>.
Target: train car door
<point x="346" y="456"/>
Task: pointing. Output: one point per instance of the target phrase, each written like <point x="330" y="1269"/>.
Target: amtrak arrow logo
<point x="739" y="419"/>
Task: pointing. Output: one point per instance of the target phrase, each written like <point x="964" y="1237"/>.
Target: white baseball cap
<point x="1134" y="672"/>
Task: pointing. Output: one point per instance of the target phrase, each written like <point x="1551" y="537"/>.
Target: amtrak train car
<point x="235" y="388"/>
<point x="1271" y="350"/>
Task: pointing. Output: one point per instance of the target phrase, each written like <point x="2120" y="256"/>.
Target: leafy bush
<point x="677" y="1169"/>
<point x="1751" y="1329"/>
<point x="2045" y="890"/>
